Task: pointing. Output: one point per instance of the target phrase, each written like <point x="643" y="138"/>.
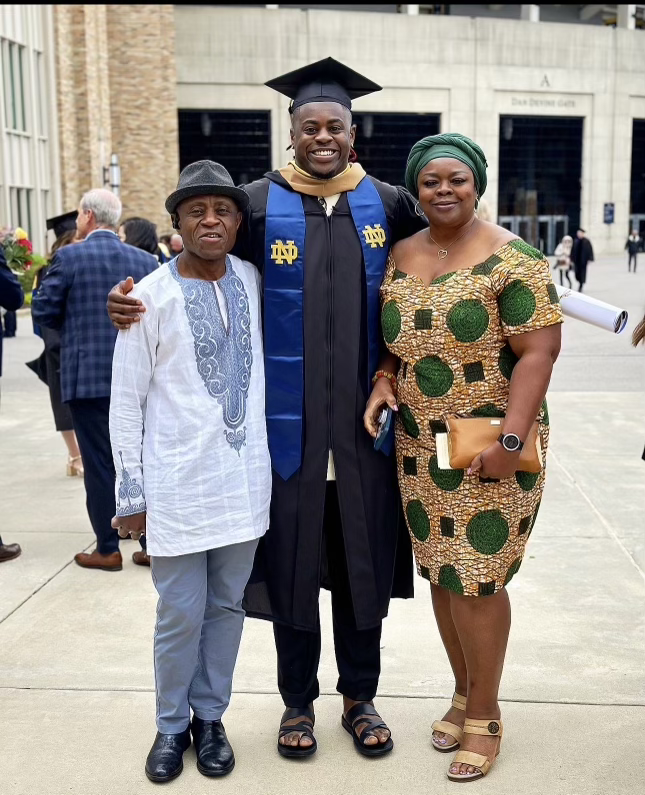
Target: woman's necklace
<point x="442" y="253"/>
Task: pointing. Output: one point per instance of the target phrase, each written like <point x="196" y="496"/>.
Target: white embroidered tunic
<point x="187" y="421"/>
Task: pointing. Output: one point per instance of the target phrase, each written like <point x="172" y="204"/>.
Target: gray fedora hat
<point x="205" y="178"/>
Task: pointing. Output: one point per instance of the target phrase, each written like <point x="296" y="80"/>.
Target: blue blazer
<point x="72" y="298"/>
<point x="11" y="295"/>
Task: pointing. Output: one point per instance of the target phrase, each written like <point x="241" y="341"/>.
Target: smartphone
<point x="384" y="422"/>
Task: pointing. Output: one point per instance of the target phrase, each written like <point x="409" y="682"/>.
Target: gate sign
<point x="608" y="214"/>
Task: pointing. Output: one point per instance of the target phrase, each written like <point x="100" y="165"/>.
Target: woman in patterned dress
<point x="472" y="323"/>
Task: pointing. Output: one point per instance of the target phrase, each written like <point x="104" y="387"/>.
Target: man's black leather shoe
<point x="165" y="761"/>
<point x="9" y="551"/>
<point x="214" y="753"/>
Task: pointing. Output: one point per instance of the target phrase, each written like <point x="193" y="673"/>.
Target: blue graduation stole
<point x="284" y="254"/>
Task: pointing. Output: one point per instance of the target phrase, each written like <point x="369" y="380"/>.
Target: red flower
<point x="25" y="244"/>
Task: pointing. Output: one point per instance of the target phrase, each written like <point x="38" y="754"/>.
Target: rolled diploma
<point x="591" y="310"/>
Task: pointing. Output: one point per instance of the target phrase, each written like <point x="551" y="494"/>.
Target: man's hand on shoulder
<point x="123" y="310"/>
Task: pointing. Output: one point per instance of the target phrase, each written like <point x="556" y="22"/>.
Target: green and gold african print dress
<point x="468" y="534"/>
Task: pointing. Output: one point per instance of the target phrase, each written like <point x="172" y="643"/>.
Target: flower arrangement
<point x="17" y="248"/>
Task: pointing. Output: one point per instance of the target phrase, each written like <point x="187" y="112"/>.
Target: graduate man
<point x="320" y="231"/>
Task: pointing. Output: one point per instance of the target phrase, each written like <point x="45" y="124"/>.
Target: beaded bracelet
<point x="384" y="374"/>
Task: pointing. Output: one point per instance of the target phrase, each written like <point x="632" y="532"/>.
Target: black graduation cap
<point x="324" y="81"/>
<point x="62" y="223"/>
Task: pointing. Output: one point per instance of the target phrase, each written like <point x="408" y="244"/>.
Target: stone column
<point x="626" y="18"/>
<point x="143" y="106"/>
<point x="117" y="93"/>
<point x="530" y="13"/>
<point x="83" y="98"/>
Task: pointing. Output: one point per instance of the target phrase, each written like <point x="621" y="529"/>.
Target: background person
<point x="164" y="245"/>
<point x="563" y="259"/>
<point x="633" y="246"/>
<point x="581" y="256"/>
<point x="483" y="211"/>
<point x="189" y="440"/>
<point x="72" y="299"/>
<point x="11" y="298"/>
<point x="141" y="233"/>
<point x="47" y="366"/>
<point x="176" y="245"/>
<point x="472" y="321"/>
<point x="10" y="323"/>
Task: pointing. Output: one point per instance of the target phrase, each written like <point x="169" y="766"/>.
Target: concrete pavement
<point x="76" y="679"/>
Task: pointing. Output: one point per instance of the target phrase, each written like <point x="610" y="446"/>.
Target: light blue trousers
<point x="198" y="631"/>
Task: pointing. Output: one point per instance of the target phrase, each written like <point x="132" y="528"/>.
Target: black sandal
<point x="303" y="727"/>
<point x="358" y="714"/>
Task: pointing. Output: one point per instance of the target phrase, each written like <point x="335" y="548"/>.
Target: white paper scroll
<point x="591" y="310"/>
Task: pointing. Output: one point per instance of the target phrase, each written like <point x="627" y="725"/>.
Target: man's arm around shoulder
<point x="122" y="309"/>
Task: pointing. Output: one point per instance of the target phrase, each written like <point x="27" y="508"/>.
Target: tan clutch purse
<point x="469" y="436"/>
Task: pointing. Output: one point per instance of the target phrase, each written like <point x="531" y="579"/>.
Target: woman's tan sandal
<point x="492" y="728"/>
<point x="445" y="726"/>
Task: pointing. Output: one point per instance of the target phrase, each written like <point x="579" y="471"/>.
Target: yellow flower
<point x="20" y="233"/>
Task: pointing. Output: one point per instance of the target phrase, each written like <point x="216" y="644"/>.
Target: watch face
<point x="511" y="442"/>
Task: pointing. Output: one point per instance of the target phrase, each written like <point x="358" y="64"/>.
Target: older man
<point x="72" y="298"/>
<point x="176" y="244"/>
<point x="190" y="443"/>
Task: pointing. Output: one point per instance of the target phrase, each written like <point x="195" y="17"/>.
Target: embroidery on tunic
<point x="224" y="358"/>
<point x="129" y="490"/>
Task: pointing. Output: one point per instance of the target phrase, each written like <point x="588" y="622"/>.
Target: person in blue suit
<point x="11" y="299"/>
<point x="72" y="299"/>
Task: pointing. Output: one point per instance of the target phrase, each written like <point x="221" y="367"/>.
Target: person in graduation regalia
<point x="320" y="231"/>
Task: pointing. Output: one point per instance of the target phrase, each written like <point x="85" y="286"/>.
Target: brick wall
<point x="116" y="83"/>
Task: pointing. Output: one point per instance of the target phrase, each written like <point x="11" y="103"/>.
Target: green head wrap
<point x="446" y="145"/>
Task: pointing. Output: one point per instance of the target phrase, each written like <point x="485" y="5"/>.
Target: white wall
<point x="29" y="157"/>
<point x="469" y="70"/>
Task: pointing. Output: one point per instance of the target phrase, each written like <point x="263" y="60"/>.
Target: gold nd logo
<point x="374" y="236"/>
<point x="282" y="253"/>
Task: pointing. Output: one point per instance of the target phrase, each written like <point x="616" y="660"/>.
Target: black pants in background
<point x="91" y="423"/>
<point x="564" y="273"/>
<point x="632" y="258"/>
<point x="358" y="653"/>
<point x="10" y="324"/>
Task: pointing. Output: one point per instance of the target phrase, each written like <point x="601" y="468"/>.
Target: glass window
<point x="9" y="103"/>
<point x="13" y="207"/>
<point x="540" y="168"/>
<point x="383" y="141"/>
<point x="638" y="167"/>
<point x="42" y="99"/>
<point x="12" y="78"/>
<point x="14" y="85"/>
<point x="24" y="218"/>
<point x="19" y="87"/>
<point x="239" y="138"/>
<point x="20" y="203"/>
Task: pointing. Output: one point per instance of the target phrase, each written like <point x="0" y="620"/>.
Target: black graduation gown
<point x="290" y="564"/>
<point x="582" y="255"/>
